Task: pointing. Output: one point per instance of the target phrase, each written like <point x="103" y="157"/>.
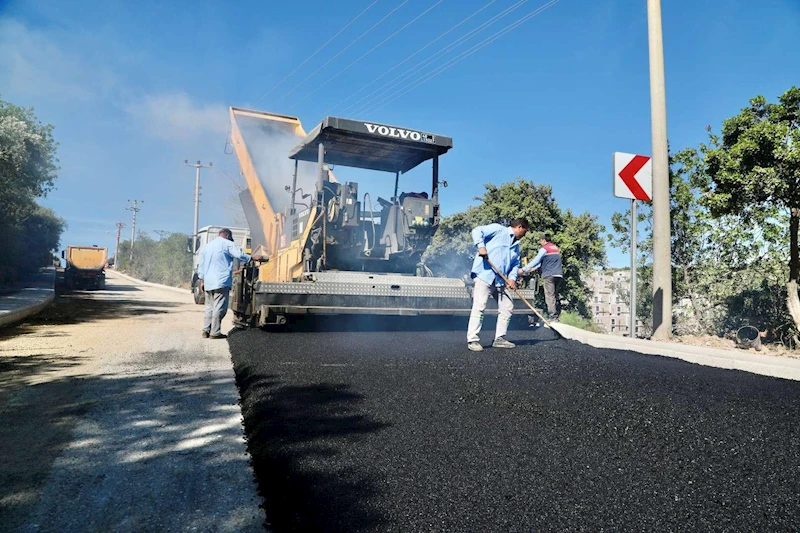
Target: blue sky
<point x="134" y="88"/>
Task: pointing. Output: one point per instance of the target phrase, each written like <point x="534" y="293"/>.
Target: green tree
<point x="28" y="168"/>
<point x="578" y="236"/>
<point x="713" y="258"/>
<point x="754" y="172"/>
<point x="165" y="261"/>
<point x="41" y="235"/>
<point x="28" y="164"/>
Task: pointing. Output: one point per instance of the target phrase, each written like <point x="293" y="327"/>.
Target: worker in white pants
<point x="499" y="245"/>
<point x="480" y="295"/>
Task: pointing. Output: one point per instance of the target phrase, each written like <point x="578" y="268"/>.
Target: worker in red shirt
<point x="549" y="261"/>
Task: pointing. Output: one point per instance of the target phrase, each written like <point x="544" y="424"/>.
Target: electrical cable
<point x="409" y="57"/>
<point x="461" y="57"/>
<point x="309" y="58"/>
<point x="436" y="55"/>
<point x="345" y="69"/>
<point x="343" y="50"/>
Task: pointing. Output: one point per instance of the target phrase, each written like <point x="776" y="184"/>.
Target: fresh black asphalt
<point x="353" y="431"/>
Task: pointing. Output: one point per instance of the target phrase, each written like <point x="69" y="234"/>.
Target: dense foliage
<point x="164" y="261"/>
<point x="29" y="233"/>
<point x="735" y="205"/>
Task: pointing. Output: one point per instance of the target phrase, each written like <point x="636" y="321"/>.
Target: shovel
<point x="526" y="302"/>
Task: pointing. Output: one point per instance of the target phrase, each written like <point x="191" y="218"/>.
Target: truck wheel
<point x="101" y="284"/>
<point x="199" y="296"/>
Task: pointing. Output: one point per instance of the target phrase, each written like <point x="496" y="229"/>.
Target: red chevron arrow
<point x="628" y="175"/>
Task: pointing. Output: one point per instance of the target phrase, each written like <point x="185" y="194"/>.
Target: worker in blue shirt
<point x="500" y="244"/>
<point x="214" y="271"/>
<point x="552" y="271"/>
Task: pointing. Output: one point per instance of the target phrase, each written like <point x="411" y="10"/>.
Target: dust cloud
<point x="269" y="143"/>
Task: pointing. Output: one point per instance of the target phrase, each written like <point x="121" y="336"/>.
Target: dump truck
<point x="195" y="245"/>
<point x="85" y="267"/>
<point x="331" y="246"/>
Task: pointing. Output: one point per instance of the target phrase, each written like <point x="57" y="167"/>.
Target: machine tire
<point x="199" y="296"/>
<point x="101" y="283"/>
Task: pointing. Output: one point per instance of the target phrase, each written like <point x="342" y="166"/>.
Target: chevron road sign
<point x="633" y="176"/>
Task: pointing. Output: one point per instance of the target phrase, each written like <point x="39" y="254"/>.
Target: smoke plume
<point x="269" y="143"/>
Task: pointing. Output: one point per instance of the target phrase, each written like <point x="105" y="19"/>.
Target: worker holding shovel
<point x="498" y="247"/>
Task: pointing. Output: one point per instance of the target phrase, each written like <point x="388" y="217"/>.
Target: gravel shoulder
<point x="118" y="416"/>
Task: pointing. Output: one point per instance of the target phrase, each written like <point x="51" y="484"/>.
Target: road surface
<point x="117" y="416"/>
<point x="409" y="431"/>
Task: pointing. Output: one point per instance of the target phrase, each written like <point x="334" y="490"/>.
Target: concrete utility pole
<point x="120" y="225"/>
<point x="662" y="258"/>
<point x="197" y="167"/>
<point x="135" y="209"/>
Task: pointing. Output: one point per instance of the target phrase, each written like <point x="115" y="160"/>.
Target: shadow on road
<point x="19" y="369"/>
<point x="115" y="453"/>
<point x="87" y="306"/>
<point x="293" y="432"/>
<point x="122" y="288"/>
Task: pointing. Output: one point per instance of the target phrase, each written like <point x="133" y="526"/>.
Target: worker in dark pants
<point x="214" y="271"/>
<point x="552" y="272"/>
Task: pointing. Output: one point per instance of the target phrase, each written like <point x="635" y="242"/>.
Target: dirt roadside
<point x="711" y="341"/>
<point x="115" y="415"/>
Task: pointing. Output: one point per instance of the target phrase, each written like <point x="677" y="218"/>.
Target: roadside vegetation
<point x="29" y="232"/>
<point x="164" y="261"/>
<point x="735" y="210"/>
<point x="574" y="319"/>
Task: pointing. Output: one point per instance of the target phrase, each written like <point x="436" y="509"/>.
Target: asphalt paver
<point x="353" y="430"/>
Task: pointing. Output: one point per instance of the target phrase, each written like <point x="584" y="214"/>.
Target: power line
<point x="360" y="107"/>
<point x="438" y="54"/>
<point x="409" y="57"/>
<point x="309" y="58"/>
<point x="463" y="56"/>
<point x="412" y="21"/>
<point x="452" y="62"/>
<point x="344" y="49"/>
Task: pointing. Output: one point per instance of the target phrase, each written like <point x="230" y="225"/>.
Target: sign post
<point x="632" y="307"/>
<point x="633" y="179"/>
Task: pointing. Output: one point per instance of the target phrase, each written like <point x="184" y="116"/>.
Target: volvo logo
<point x="400" y="133"/>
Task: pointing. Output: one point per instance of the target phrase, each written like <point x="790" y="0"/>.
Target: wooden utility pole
<point x="120" y="225"/>
<point x="134" y="209"/>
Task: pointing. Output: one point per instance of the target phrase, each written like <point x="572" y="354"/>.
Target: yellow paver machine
<point x="328" y="248"/>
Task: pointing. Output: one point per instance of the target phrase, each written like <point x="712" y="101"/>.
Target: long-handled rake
<point x="526" y="302"/>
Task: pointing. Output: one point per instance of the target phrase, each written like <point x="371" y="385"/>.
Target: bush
<point x="574" y="319"/>
<point x="165" y="261"/>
